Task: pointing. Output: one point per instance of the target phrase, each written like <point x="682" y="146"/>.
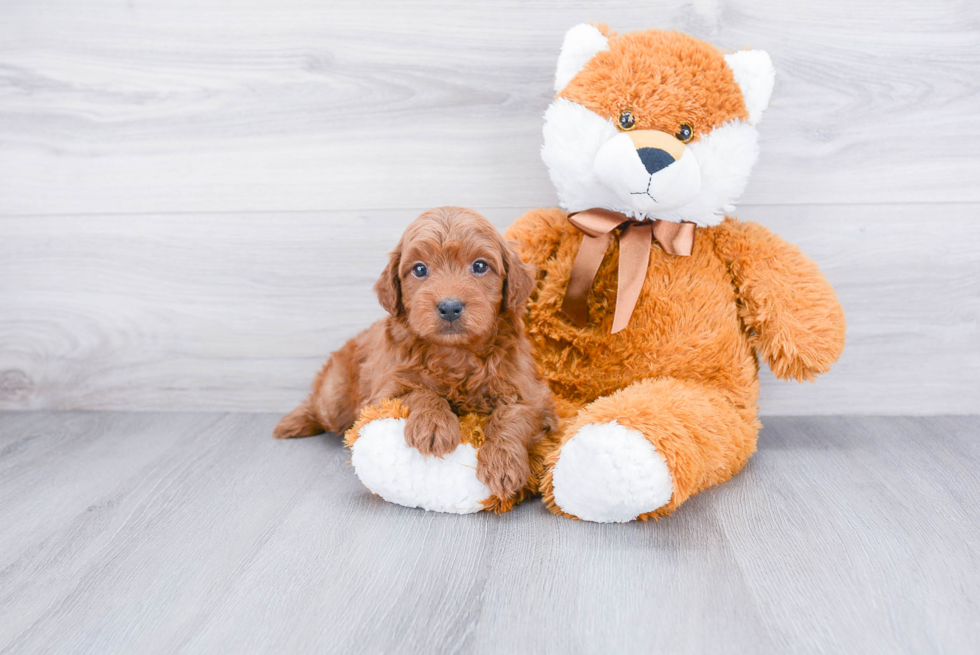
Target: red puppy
<point x="453" y="344"/>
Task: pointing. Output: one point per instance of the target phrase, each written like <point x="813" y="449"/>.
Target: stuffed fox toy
<point x="653" y="305"/>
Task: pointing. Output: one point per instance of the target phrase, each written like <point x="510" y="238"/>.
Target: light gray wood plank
<point x="199" y="533"/>
<point x="669" y="587"/>
<point x="142" y="564"/>
<point x="62" y="462"/>
<point x="187" y="107"/>
<point x="238" y="313"/>
<point x="873" y="517"/>
<point x="210" y="106"/>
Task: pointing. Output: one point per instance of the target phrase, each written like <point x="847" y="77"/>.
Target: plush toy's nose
<point x="657" y="150"/>
<point x="655" y="159"/>
<point x="450" y="309"/>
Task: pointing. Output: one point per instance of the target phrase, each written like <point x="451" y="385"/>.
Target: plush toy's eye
<point x="419" y="270"/>
<point x="626" y="121"/>
<point x="480" y="267"/>
<point x="685" y="133"/>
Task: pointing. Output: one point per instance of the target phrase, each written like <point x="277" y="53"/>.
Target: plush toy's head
<point x="654" y="124"/>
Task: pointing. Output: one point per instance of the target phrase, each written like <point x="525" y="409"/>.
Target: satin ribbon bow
<point x="635" y="241"/>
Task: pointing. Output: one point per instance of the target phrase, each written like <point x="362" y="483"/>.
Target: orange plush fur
<point x="700" y="92"/>
<point x="684" y="372"/>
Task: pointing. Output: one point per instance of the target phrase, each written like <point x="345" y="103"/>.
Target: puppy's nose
<point x="655" y="159"/>
<point x="450" y="309"/>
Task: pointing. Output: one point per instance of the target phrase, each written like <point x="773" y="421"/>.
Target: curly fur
<point x="477" y="366"/>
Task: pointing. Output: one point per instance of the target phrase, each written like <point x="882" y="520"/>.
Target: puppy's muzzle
<point x="450" y="309"/>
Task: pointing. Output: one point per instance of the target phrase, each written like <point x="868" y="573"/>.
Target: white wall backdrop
<point x="196" y="197"/>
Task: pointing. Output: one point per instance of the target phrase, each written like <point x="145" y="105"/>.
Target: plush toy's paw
<point x="609" y="473"/>
<point x="432" y="432"/>
<point x="400" y="474"/>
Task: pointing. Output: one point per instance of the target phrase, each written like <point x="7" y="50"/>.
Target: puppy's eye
<point x="685" y="133"/>
<point x="480" y="267"/>
<point x="419" y="270"/>
<point x="626" y="121"/>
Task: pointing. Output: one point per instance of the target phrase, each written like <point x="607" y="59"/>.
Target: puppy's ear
<point x="519" y="282"/>
<point x="389" y="287"/>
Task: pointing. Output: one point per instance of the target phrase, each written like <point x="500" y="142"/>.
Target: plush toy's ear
<point x="581" y="43"/>
<point x="519" y="282"/>
<point x="388" y="287"/>
<point x="755" y="76"/>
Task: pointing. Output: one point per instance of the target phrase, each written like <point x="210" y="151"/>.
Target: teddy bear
<point x="653" y="304"/>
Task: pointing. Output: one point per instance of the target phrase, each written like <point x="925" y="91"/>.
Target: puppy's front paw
<point x="503" y="467"/>
<point x="432" y="432"/>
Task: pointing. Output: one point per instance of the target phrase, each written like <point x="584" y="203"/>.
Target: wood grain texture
<point x="166" y="106"/>
<point x="195" y="197"/>
<point x="238" y="313"/>
<point x="198" y="533"/>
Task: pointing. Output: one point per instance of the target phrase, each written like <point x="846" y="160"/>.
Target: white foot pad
<point x="609" y="473"/>
<point x="400" y="474"/>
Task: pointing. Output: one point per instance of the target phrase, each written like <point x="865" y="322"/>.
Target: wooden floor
<point x="125" y="533"/>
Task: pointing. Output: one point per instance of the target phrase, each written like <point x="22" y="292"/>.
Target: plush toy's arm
<point x="538" y="234"/>
<point x="785" y="302"/>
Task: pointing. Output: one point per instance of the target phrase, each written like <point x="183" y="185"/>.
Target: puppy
<point x="453" y="343"/>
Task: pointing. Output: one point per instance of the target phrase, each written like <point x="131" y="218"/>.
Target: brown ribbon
<point x="635" y="241"/>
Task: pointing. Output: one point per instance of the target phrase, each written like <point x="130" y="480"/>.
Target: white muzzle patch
<point x="651" y="181"/>
<point x="593" y="164"/>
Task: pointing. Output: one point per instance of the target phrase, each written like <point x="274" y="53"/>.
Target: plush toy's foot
<point x="400" y="474"/>
<point x="640" y="452"/>
<point x="610" y="474"/>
